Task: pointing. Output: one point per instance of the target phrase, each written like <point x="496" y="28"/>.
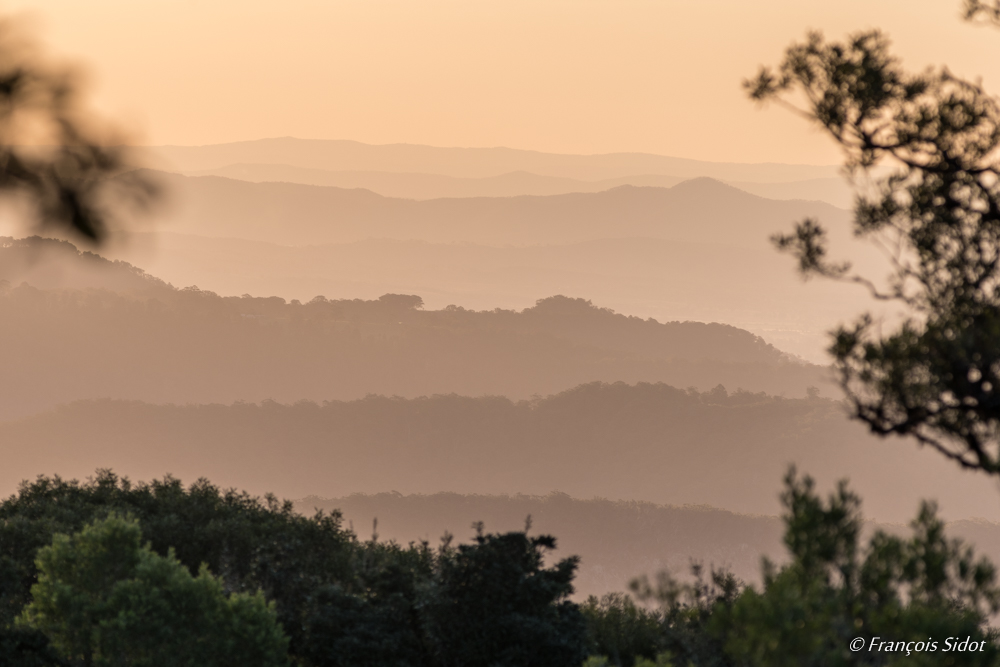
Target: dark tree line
<point x="96" y="572"/>
<point x="340" y="601"/>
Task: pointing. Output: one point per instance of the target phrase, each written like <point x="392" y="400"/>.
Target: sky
<point x="569" y="76"/>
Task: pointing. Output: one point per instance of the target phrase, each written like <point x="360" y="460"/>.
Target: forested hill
<point x="50" y="263"/>
<point x="647" y="442"/>
<point x="194" y="346"/>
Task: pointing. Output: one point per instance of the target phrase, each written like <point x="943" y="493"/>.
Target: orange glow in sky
<point x="575" y="76"/>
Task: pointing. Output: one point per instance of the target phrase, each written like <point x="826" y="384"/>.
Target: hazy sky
<point x="577" y="76"/>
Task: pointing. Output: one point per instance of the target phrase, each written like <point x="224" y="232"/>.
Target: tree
<point x="493" y="604"/>
<point x="911" y="594"/>
<point x="620" y="631"/>
<point x="50" y="152"/>
<point x="249" y="543"/>
<point x="373" y="619"/>
<point x="894" y="600"/>
<point x="937" y="376"/>
<point x="340" y="601"/>
<point x="687" y="610"/>
<point x="103" y="598"/>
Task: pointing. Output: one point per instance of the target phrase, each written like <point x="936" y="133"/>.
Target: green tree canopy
<point x="250" y="543"/>
<point x="494" y="605"/>
<point x="837" y="594"/>
<point x="104" y="598"/>
<point x="923" y="589"/>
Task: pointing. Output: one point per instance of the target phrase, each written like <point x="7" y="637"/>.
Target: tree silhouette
<point x="937" y="214"/>
<point x="72" y="175"/>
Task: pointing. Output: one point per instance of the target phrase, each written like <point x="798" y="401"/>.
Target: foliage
<point x="937" y="215"/>
<point x="620" y="631"/>
<point x="375" y="620"/>
<point x="105" y="599"/>
<point x="25" y="647"/>
<point x="688" y="610"/>
<point x="807" y="612"/>
<point x="493" y="604"/>
<point x="341" y="601"/>
<point x="832" y="592"/>
<point x="250" y="544"/>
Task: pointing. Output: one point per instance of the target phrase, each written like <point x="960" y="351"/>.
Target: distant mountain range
<point x="465" y="162"/>
<point x="698" y="210"/>
<point x="698" y="250"/>
<point x="832" y="190"/>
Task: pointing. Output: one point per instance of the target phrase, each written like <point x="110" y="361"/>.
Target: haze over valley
<point x="300" y="318"/>
<point x="660" y="246"/>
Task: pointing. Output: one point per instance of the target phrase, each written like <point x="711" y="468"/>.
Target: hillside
<point x="753" y="289"/>
<point x="54" y="264"/>
<point x="699" y="210"/>
<point x="646" y="442"/>
<point x="195" y="346"/>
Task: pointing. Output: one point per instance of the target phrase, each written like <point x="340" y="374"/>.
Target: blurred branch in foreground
<point x="54" y="157"/>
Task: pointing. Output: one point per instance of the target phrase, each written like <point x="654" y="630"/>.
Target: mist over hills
<point x="754" y="289"/>
<point x="195" y="346"/>
<point x="699" y="210"/>
<point x="831" y="190"/>
<point x="648" y="442"/>
<point x="53" y="264"/>
<point x="339" y="155"/>
<point x="429" y="186"/>
<point x="698" y="250"/>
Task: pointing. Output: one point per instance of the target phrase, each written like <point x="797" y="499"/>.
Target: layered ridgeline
<point x="754" y="289"/>
<point x="833" y="190"/>
<point x="697" y="250"/>
<point x="616" y="540"/>
<point x="152" y="342"/>
<point x="649" y="442"/>
<point x="698" y="210"/>
<point x="339" y="155"/>
<point x="429" y="172"/>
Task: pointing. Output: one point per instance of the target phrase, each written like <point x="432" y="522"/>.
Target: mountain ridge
<point x="645" y="441"/>
<point x="422" y="186"/>
<point x="296" y="214"/>
<point x="455" y="161"/>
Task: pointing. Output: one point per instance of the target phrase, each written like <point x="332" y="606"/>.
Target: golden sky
<point x="574" y="76"/>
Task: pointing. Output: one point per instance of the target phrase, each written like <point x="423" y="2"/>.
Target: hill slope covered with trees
<point x="647" y="442"/>
<point x="149" y="341"/>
